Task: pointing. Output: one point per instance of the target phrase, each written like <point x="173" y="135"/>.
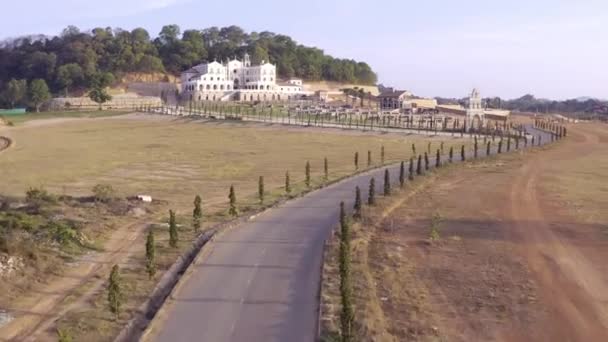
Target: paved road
<point x="260" y="281"/>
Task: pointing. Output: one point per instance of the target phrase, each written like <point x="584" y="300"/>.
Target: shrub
<point x="371" y="199"/>
<point x="435" y="226"/>
<point x="197" y="213"/>
<point x="103" y="192"/>
<point x="232" y="211"/>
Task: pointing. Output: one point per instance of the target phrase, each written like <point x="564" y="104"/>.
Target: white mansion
<point x="239" y="81"/>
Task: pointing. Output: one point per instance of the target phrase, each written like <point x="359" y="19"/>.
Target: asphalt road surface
<point x="260" y="281"/>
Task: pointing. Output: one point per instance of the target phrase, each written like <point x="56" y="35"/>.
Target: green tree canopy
<point x="38" y="93"/>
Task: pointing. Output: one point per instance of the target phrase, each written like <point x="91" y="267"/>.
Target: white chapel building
<point x="238" y="81"/>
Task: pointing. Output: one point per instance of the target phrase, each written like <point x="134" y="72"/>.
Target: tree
<point x="438" y="159"/>
<point x="451" y="154"/>
<point x="233" y="211"/>
<point x="371" y="197"/>
<point x="369" y="158"/>
<point x="15" y="92"/>
<point x="357" y="206"/>
<point x="419" y="165"/>
<point x="488" y="148"/>
<point x="173" y="235"/>
<point x="426" y="161"/>
<point x="287" y="183"/>
<point x="98" y="92"/>
<point x="307" y="174"/>
<point x="346" y="314"/>
<point x="382" y="155"/>
<point x="402" y="174"/>
<point x="462" y="155"/>
<point x="499" y="146"/>
<point x="413" y="149"/>
<point x="38" y="93"/>
<point x="115" y="291"/>
<point x="325" y="169"/>
<point x="475" y="146"/>
<point x="261" y="189"/>
<point x="387" y="183"/>
<point x="150" y="255"/>
<point x="197" y="213"/>
<point x="356" y="160"/>
<point x="411" y="169"/>
<point x="69" y="75"/>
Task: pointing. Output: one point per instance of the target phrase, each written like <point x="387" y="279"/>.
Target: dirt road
<point x="574" y="288"/>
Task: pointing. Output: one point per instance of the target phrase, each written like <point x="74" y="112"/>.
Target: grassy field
<point x="174" y="160"/>
<point x="20" y="119"/>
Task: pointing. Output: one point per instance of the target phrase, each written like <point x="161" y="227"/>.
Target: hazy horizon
<point x="550" y="49"/>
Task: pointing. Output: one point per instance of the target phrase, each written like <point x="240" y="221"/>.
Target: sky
<point x="550" y="48"/>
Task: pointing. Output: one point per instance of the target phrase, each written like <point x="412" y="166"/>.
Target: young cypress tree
<point x="539" y="140"/>
<point x="173" y="237"/>
<point x="232" y="211"/>
<point x="475" y="147"/>
<point x="307" y="173"/>
<point x="369" y="158"/>
<point x="287" y="183"/>
<point x="532" y="142"/>
<point x="346" y="314"/>
<point x="462" y="156"/>
<point x="382" y="155"/>
<point x="500" y="146"/>
<point x="508" y="143"/>
<point x="411" y="169"/>
<point x="419" y="165"/>
<point x="438" y="159"/>
<point x="387" y="183"/>
<point x="197" y="213"/>
<point x="517" y="143"/>
<point x="115" y="291"/>
<point x="451" y="154"/>
<point x="150" y="255"/>
<point x="357" y="206"/>
<point x="426" y="161"/>
<point x="356" y="160"/>
<point x="325" y="169"/>
<point x="441" y="147"/>
<point x="413" y="149"/>
<point x="402" y="174"/>
<point x="371" y="197"/>
<point x="428" y="148"/>
<point x="261" y="189"/>
<point x="488" y="148"/>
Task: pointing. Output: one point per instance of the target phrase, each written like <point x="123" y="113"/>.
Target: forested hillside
<point x="74" y="58"/>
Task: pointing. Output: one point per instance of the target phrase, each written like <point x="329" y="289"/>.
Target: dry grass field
<point x="173" y="160"/>
<point x="521" y="254"/>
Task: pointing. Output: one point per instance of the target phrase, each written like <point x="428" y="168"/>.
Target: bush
<point x="37" y="197"/>
<point x="103" y="192"/>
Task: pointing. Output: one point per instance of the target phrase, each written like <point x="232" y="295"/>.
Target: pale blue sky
<point x="551" y="48"/>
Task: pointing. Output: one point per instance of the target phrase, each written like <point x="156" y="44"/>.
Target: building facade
<point x="238" y="81"/>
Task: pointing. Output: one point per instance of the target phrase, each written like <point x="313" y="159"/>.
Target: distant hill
<point x="70" y="60"/>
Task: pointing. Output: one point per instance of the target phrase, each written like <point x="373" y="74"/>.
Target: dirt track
<point x="574" y="288"/>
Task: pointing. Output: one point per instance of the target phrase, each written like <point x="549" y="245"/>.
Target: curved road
<point x="260" y="281"/>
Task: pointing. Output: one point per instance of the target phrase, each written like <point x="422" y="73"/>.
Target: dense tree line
<point x="72" y="59"/>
